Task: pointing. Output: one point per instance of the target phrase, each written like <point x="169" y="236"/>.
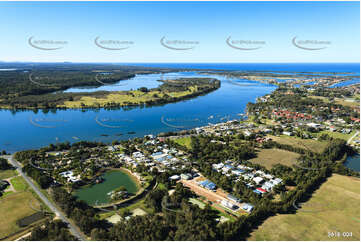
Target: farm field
<point x="271" y="157"/>
<point x="334" y="207"/>
<point x="313" y="145"/>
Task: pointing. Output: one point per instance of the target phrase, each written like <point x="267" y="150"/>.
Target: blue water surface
<point x="29" y="130"/>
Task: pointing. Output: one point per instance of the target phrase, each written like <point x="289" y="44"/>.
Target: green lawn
<point x="334" y="207"/>
<point x="184" y="141"/>
<point x="161" y="186"/>
<point x="341" y="101"/>
<point x="338" y="135"/>
<point x="7" y="174"/>
<point x="19" y="183"/>
<point x="202" y="206"/>
<point x="197" y="202"/>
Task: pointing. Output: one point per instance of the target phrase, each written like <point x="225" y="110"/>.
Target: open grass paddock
<point x="334" y="207"/>
<point x="313" y="145"/>
<point x="13" y="207"/>
<point x="271" y="157"/>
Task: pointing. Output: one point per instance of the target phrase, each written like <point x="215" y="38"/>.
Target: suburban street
<point x="73" y="230"/>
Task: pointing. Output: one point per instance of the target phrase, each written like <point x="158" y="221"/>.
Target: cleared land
<point x="131" y="208"/>
<point x="184" y="141"/>
<point x="13" y="207"/>
<point x="341" y="101"/>
<point x="124" y="98"/>
<point x="313" y="145"/>
<point x="215" y="197"/>
<point x="338" y="135"/>
<point x="7" y="174"/>
<point x="271" y="157"/>
<point x="335" y="207"/>
<point x="19" y="183"/>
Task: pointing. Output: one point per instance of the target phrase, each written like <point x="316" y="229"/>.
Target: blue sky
<point x="209" y="24"/>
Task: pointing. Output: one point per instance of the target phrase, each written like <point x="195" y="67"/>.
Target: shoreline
<point x="126" y="108"/>
<point x="119" y="99"/>
<point x="122" y="169"/>
<point x="132" y="176"/>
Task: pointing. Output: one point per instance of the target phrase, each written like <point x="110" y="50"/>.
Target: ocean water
<point x="346" y="83"/>
<point x="272" y="67"/>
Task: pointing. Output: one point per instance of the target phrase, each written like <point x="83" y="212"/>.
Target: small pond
<point x="98" y="193"/>
<point x="353" y="162"/>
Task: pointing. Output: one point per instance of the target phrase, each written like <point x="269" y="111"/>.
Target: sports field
<point x="334" y="207"/>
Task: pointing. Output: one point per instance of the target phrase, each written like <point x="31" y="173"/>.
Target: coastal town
<point x="180" y="121"/>
<point x="310" y="131"/>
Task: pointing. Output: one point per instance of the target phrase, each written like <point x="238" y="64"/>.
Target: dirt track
<point x="215" y="197"/>
<point x="211" y="196"/>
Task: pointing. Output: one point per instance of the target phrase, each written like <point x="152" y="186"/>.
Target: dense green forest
<point x="4" y="165"/>
<point x="38" y="83"/>
<point x="19" y="83"/>
<point x="55" y="230"/>
<point x="174" y="218"/>
<point x="41" y="86"/>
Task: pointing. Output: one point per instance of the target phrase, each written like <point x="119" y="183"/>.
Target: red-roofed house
<point x="261" y="190"/>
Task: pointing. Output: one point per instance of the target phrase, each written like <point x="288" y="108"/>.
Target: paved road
<point x="353" y="136"/>
<point x="73" y="230"/>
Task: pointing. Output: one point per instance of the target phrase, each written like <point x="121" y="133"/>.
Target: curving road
<point x="353" y="136"/>
<point x="73" y="230"/>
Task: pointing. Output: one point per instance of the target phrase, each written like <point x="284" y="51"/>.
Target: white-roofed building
<point x="258" y="180"/>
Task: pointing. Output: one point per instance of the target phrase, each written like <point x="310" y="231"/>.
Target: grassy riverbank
<point x="125" y="98"/>
<point x="170" y="91"/>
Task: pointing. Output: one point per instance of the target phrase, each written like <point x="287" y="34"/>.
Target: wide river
<point x="28" y="130"/>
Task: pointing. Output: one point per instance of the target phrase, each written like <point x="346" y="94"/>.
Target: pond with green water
<point x="98" y="193"/>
